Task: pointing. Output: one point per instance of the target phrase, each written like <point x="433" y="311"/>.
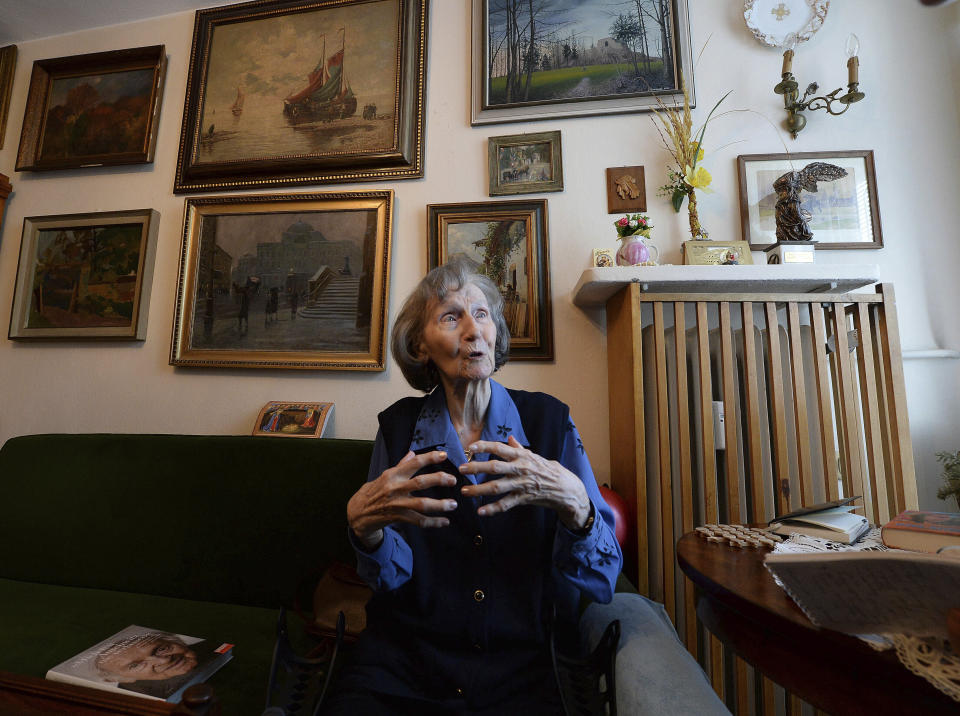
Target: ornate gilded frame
<point x="8" y="63"/>
<point x="207" y="330"/>
<point x="36" y="116"/>
<point x="259" y="160"/>
<point x="448" y="234"/>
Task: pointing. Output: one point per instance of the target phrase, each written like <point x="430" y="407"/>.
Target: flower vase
<point x="635" y="251"/>
<point x="696" y="231"/>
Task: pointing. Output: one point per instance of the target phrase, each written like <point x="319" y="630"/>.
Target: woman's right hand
<point x="387" y="499"/>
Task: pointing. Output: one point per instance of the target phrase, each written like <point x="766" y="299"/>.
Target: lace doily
<point x="929" y="658"/>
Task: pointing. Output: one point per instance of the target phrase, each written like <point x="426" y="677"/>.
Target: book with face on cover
<point x="145" y="662"/>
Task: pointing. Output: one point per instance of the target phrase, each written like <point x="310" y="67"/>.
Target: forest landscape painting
<point x="573" y="51"/>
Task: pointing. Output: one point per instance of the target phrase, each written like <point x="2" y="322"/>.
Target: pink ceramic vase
<point x="633" y="251"/>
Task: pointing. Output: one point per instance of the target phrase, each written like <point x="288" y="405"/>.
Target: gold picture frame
<point x="519" y="262"/>
<point x="297" y="281"/>
<point x="85" y="276"/>
<point x="299" y="92"/>
<point x="716" y="253"/>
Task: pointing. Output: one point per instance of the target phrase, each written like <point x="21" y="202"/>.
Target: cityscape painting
<point x="291" y="281"/>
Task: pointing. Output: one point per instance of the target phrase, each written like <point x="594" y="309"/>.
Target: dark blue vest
<point x="475" y="612"/>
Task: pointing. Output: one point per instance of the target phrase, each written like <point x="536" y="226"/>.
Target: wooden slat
<point x="752" y="399"/>
<point x="666" y="480"/>
<point x="781" y="459"/>
<point x="685" y="458"/>
<point x="728" y="369"/>
<point x="903" y="449"/>
<point x="758" y="297"/>
<point x="804" y="455"/>
<point x="894" y="485"/>
<point x="851" y="425"/>
<point x="838" y="412"/>
<point x="869" y="399"/>
<point x="824" y="401"/>
<point x="628" y="467"/>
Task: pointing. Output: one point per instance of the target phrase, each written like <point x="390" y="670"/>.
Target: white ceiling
<point x="24" y="20"/>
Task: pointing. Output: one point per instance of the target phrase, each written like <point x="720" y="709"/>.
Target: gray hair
<point x="408" y="327"/>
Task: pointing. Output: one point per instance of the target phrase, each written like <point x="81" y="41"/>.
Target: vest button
<point x="479" y="596"/>
<point x="478" y="540"/>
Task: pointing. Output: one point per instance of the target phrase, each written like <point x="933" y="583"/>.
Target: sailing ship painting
<point x="237" y="106"/>
<point x="313" y="83"/>
<point x="328" y="95"/>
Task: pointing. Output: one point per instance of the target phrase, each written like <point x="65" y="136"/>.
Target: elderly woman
<point x="480" y="521"/>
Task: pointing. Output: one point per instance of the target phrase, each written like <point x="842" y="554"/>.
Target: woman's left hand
<point x="528" y="479"/>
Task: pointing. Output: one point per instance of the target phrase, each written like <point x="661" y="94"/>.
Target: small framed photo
<point x="85" y="276"/>
<point x="603" y="258"/>
<point x="626" y="190"/>
<point x="94" y="110"/>
<point x="844" y="214"/>
<point x="525" y="163"/>
<point x="284" y="281"/>
<point x="278" y="419"/>
<point x="506" y="241"/>
<point x="717" y="253"/>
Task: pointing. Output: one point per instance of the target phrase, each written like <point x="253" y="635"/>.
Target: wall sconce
<point x="788" y="88"/>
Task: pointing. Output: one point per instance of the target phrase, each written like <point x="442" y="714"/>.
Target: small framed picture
<point x="844" y="213"/>
<point x="94" y="110"/>
<point x="85" y="276"/>
<point x="525" y="163"/>
<point x="626" y="190"/>
<point x="507" y="242"/>
<point x="603" y="258"/>
<point x="293" y="420"/>
<point x="716" y="253"/>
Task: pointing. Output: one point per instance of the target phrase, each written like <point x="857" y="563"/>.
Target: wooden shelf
<point x="596" y="285"/>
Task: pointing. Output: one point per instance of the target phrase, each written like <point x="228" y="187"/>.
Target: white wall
<point x="909" y="118"/>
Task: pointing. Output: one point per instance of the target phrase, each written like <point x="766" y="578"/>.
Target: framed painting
<point x="525" y="163"/>
<point x="93" y="110"/>
<point x="506" y="241"/>
<point x="288" y="92"/>
<point x="278" y="419"/>
<point x="8" y="63"/>
<point x="844" y="214"/>
<point x="555" y="58"/>
<point x="284" y="281"/>
<point x="85" y="276"/>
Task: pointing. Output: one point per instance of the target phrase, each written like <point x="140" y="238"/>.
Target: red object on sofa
<point x="621" y="512"/>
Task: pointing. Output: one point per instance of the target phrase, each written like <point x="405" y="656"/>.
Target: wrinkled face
<point x="460" y="336"/>
<point x="151" y="660"/>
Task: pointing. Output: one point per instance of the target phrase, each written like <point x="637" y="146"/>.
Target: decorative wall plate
<point x="773" y="21"/>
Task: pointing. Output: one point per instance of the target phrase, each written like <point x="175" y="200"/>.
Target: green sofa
<point x="201" y="535"/>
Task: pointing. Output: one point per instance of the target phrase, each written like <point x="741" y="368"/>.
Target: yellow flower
<point x="698" y="178"/>
<point x="693" y="145"/>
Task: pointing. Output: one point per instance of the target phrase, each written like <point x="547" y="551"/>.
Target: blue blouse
<point x="588" y="562"/>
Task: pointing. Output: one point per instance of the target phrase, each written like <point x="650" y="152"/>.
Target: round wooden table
<point x="740" y="603"/>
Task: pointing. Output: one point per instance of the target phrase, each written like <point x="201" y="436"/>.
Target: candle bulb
<point x="853" y="61"/>
<point x="787" y="62"/>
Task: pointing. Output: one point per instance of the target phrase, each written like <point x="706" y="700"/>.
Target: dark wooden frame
<point x="45" y="72"/>
<point x="484" y="113"/>
<point x="182" y="353"/>
<point x="403" y="161"/>
<point x="149" y="221"/>
<point x="800" y="159"/>
<point x="8" y="63"/>
<point x="534" y="213"/>
<point x="495" y="144"/>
